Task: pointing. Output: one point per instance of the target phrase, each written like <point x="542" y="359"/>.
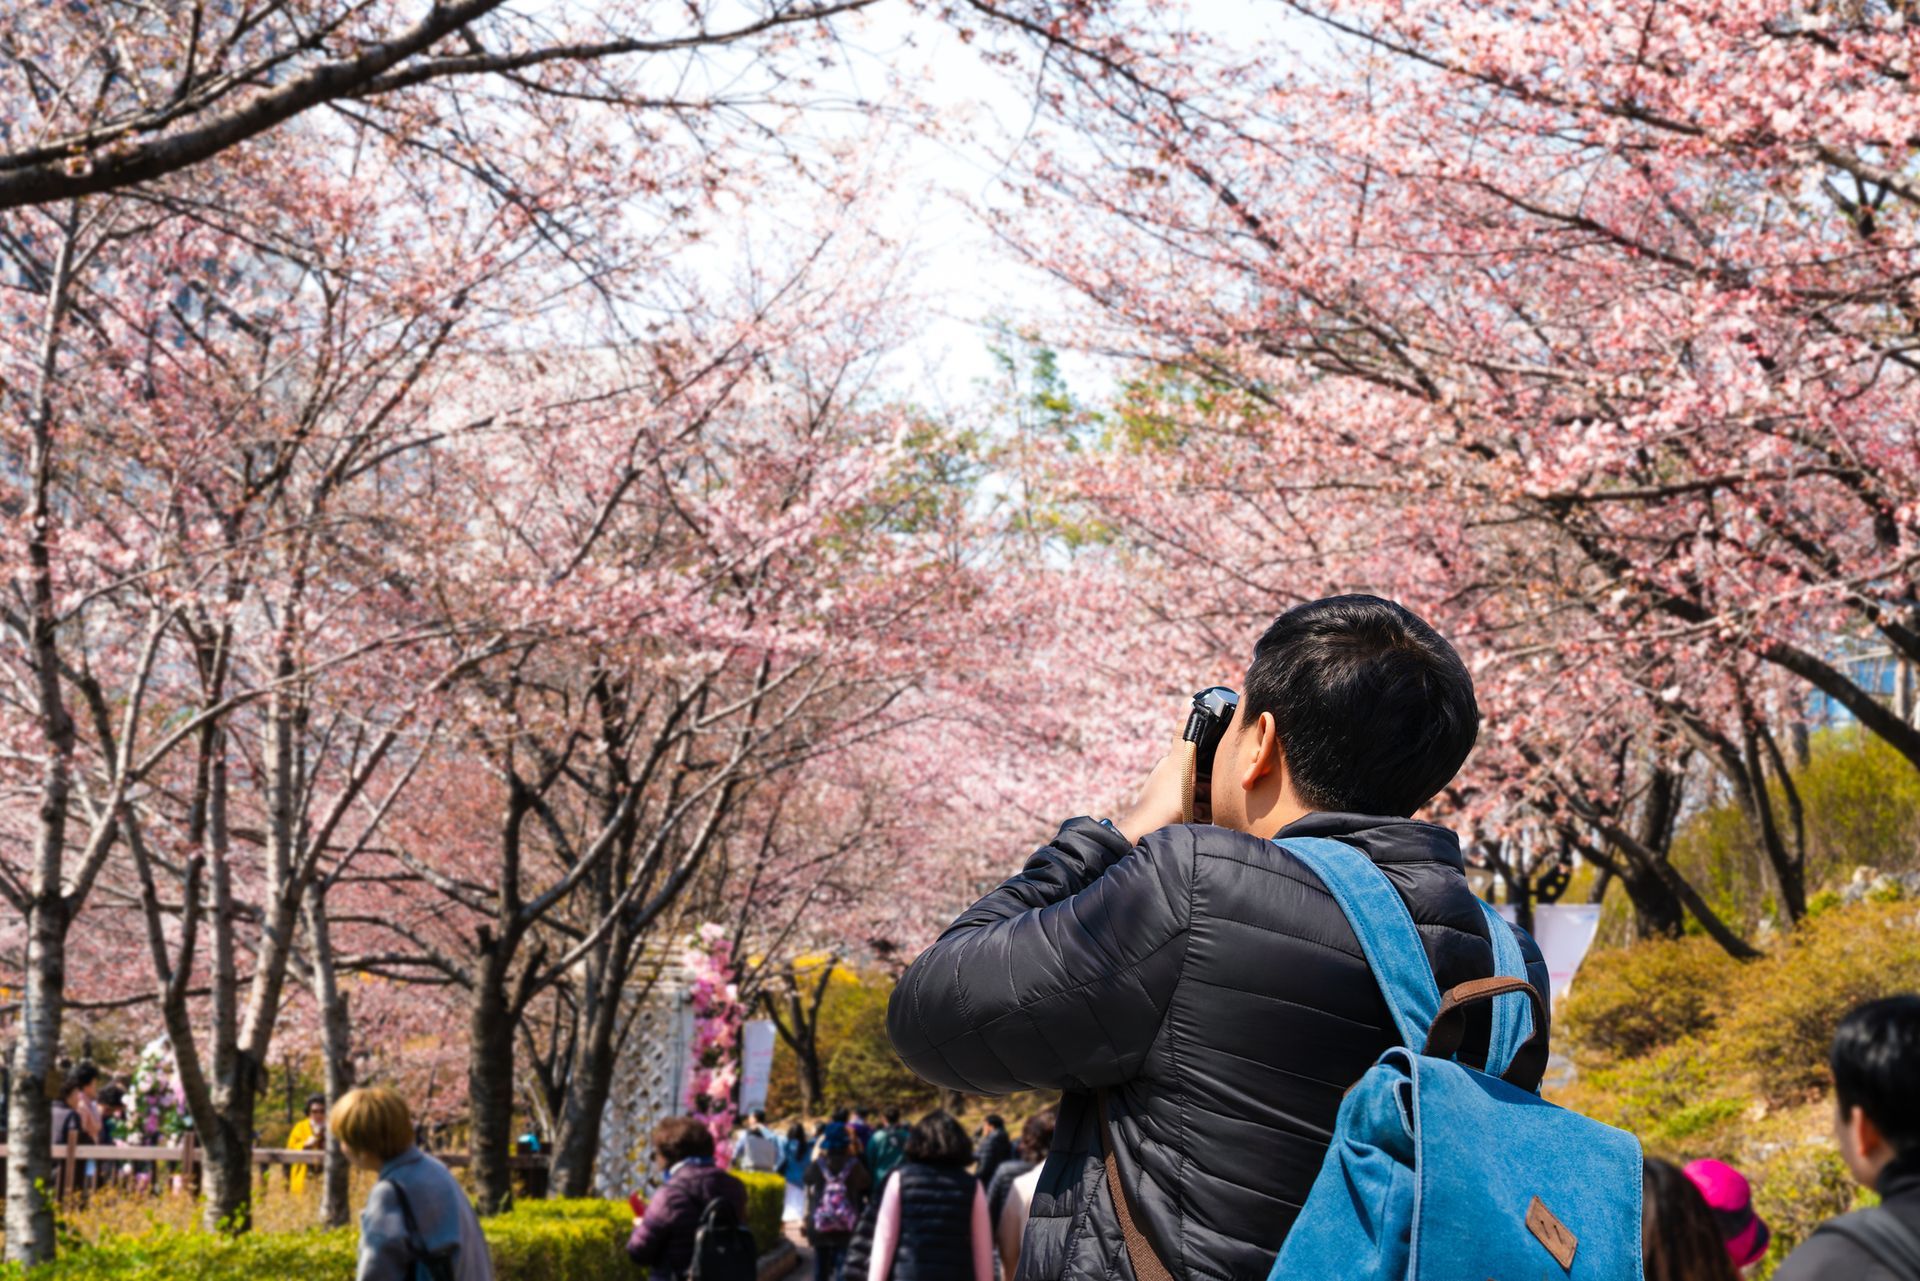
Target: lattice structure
<point x="647" y="1085"/>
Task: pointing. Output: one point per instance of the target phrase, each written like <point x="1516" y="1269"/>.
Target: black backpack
<point x="723" y="1250"/>
<point x="1881" y="1234"/>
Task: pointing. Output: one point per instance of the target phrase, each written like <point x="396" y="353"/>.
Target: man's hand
<point x="1162" y="799"/>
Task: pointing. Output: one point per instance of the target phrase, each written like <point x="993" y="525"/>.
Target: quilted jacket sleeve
<point x="1060" y="978"/>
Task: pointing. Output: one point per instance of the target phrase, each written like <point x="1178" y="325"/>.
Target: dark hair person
<point x="1680" y="1238"/>
<point x="837" y="1185"/>
<point x="663" y="1237"/>
<point x="993" y="1150"/>
<point x="1010" y="1198"/>
<point x="933" y="1223"/>
<point x="1195" y="982"/>
<point x="1374" y="710"/>
<point x="1027" y="1155"/>
<point x="1876" y="1121"/>
<point x="78" y="1116"/>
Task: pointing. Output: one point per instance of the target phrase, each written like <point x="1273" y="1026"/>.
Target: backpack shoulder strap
<point x="415" y="1241"/>
<point x="1882" y="1234"/>
<point x="438" y="1264"/>
<point x="1512" y="1014"/>
<point x="1383" y="925"/>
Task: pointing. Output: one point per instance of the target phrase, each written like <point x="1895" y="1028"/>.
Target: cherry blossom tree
<point x="1587" y="330"/>
<point x="110" y="97"/>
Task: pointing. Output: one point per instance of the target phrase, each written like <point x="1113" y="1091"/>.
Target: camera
<point x="1206" y="726"/>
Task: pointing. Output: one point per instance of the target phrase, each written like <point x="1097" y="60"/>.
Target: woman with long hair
<point x="1680" y="1239"/>
<point x="793" y="1168"/>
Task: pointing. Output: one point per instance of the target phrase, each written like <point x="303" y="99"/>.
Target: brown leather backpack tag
<point x="1552" y="1233"/>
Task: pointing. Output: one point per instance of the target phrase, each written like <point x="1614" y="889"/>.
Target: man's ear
<point x="1265" y="757"/>
<point x="1867" y="1139"/>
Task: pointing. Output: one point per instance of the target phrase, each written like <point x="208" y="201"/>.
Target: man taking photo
<point x="1199" y="976"/>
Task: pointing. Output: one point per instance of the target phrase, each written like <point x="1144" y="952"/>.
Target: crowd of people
<point x="875" y="1200"/>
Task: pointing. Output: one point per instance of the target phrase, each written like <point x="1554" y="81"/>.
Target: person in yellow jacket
<point x="309" y="1134"/>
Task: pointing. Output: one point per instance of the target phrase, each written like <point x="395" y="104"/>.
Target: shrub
<point x="1632" y="1000"/>
<point x="1640" y="1094"/>
<point x="766" y="1202"/>
<point x="1695" y="1124"/>
<point x="1784" y="1008"/>
<point x="536" y="1241"/>
<point x="1796" y="1189"/>
<point x="561" y="1240"/>
<point x="616" y="1212"/>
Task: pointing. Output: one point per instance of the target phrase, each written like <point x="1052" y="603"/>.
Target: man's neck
<point x="1270" y="822"/>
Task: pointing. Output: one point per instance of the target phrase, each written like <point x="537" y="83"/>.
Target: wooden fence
<point x="179" y="1166"/>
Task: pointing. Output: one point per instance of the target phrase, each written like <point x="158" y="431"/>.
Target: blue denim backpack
<point x="1443" y="1172"/>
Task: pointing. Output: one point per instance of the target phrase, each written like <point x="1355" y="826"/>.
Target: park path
<point x="803" y="1270"/>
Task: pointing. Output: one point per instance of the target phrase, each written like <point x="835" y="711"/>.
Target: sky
<point x="933" y="189"/>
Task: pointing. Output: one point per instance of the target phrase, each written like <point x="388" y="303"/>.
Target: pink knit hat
<point x="1731" y="1200"/>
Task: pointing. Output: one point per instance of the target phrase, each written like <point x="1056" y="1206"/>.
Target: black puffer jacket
<point x="1211" y="983"/>
<point x="936" y="1224"/>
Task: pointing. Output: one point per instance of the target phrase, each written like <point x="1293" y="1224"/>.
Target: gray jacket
<point x="1829" y="1256"/>
<point x="440" y="1208"/>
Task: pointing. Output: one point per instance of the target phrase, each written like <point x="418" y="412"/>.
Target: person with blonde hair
<point x="418" y="1222"/>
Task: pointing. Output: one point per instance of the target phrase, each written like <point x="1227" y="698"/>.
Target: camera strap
<point x="1140" y="1252"/>
<point x="1189" y="767"/>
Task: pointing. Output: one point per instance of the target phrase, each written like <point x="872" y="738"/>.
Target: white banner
<point x="756" y="1063"/>
<point x="1564" y="932"/>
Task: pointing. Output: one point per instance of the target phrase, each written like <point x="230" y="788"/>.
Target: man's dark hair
<point x="893" y="1116"/>
<point x="680" y="1137"/>
<point x="997" y="1121"/>
<point x="1037" y="1136"/>
<point x="759" y="1116"/>
<point x="842" y="1115"/>
<point x="316" y="1101"/>
<point x="1876" y="1067"/>
<point x="1375" y="711"/>
<point x="938" y="1140"/>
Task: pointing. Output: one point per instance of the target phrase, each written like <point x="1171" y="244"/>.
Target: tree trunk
<point x="577" y="1146"/>
<point x="490" y="1090"/>
<point x="336" y="1046"/>
<point x="29" y="1219"/>
<point x="29" y="1112"/>
<point x="800" y="1029"/>
<point x="1520" y="899"/>
<point x="1657" y="912"/>
<point x="228" y="1185"/>
<point x="590" y="1080"/>
<point x="813" y="1081"/>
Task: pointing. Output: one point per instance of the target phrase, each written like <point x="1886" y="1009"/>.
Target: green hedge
<point x="582" y="1240"/>
<point x="536" y="1241"/>
<point x="766" y="1202"/>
